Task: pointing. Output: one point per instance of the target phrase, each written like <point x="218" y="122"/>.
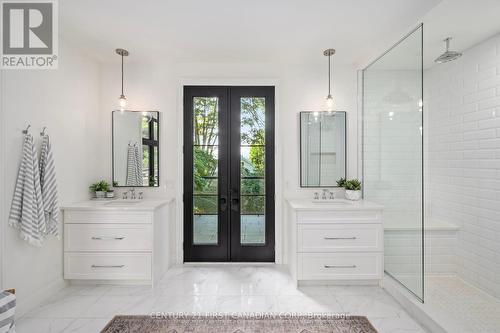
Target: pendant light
<point x="329" y="99"/>
<point x="122" y="100"/>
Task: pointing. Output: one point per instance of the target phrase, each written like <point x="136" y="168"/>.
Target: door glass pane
<point x="253" y="161"/>
<point x="145" y="164"/>
<point x="205" y="170"/>
<point x="253" y="120"/>
<point x="252" y="185"/>
<point x="205" y="219"/>
<point x="153" y="179"/>
<point x="392" y="156"/>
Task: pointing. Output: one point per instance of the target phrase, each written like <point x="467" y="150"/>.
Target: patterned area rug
<point x="239" y="324"/>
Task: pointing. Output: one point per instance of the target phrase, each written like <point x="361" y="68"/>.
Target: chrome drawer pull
<point x="108" y="266"/>
<point x="341" y="266"/>
<point x="337" y="238"/>
<point x="108" y="238"/>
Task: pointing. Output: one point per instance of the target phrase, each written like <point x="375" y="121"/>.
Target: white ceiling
<point x="290" y="31"/>
<point x="467" y="21"/>
<point x="285" y="31"/>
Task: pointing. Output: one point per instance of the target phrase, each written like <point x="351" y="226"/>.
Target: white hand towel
<point x="27" y="209"/>
<point x="48" y="184"/>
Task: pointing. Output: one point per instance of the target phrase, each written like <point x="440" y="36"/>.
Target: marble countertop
<point x="337" y="204"/>
<point x="118" y="204"/>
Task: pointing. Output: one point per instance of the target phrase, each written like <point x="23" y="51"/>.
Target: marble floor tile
<point x="378" y="306"/>
<point x="212" y="289"/>
<point x="401" y="324"/>
<point x="86" y="325"/>
<point x="43" y="325"/>
<point x="246" y="304"/>
<point x="68" y="307"/>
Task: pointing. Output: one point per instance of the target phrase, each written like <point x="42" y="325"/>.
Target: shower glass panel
<point x="393" y="155"/>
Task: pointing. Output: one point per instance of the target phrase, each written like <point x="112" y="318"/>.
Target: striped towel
<point x="49" y="187"/>
<point x="134" y="176"/>
<point x="27" y="209"/>
<point x="138" y="163"/>
<point x="7" y="311"/>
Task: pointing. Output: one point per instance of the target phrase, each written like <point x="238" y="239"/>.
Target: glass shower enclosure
<point x="392" y="154"/>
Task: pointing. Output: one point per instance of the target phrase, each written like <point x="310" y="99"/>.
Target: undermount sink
<point x="121" y="203"/>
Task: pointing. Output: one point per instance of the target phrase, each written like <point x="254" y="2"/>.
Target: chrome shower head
<point x="448" y="55"/>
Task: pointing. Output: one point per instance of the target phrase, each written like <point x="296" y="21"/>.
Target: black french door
<point x="228" y="173"/>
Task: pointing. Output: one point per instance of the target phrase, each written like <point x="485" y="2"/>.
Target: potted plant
<point x="111" y="192"/>
<point x="341" y="182"/>
<point x="353" y="189"/>
<point x="100" y="189"/>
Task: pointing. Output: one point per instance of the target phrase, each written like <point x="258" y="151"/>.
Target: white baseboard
<point x="110" y="282"/>
<point x="39" y="297"/>
<point x="305" y="283"/>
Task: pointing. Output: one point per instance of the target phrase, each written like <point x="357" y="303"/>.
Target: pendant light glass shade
<point x="329" y="102"/>
<point x="122" y="100"/>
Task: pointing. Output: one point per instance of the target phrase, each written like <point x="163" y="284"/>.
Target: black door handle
<point x="223" y="203"/>
<point x="235" y="204"/>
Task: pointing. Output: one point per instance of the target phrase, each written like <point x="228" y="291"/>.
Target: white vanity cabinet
<point x="335" y="241"/>
<point x="117" y="240"/>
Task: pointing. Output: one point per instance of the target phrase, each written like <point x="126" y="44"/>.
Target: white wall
<point x="65" y="100"/>
<point x="158" y="86"/>
<point x="463" y="106"/>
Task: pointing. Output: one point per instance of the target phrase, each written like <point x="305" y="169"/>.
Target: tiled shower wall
<point x="392" y="165"/>
<point x="462" y="104"/>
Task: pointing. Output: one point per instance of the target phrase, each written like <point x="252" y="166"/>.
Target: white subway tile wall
<point x="462" y="105"/>
<point x="403" y="252"/>
<point x="393" y="166"/>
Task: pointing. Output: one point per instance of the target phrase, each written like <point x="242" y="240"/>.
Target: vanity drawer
<point x="107" y="266"/>
<point x="339" y="266"/>
<point x="102" y="216"/>
<point x="339" y="216"/>
<point x="339" y="237"/>
<point x="108" y="237"/>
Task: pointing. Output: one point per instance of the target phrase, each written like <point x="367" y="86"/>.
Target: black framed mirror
<point x="136" y="148"/>
<point x="323" y="141"/>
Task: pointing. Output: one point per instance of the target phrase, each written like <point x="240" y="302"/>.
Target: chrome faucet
<point x="124" y="195"/>
<point x="332" y="197"/>
<point x="316" y="196"/>
<point x="325" y="192"/>
<point x="132" y="193"/>
<point x="141" y="196"/>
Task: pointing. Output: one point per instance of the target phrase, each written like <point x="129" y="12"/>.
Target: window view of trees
<point x="206" y="155"/>
<point x="149" y="126"/>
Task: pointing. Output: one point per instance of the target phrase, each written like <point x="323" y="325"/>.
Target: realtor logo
<point x="29" y="34"/>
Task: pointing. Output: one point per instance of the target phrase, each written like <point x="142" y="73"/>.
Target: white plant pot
<point x="352" y="195"/>
<point x="100" y="194"/>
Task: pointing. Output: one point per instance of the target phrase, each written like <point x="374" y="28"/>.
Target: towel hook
<point x="42" y="133"/>
<point x="26" y="130"/>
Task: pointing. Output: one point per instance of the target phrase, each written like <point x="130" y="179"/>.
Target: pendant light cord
<point x="122" y="74"/>
<point x="329" y="74"/>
